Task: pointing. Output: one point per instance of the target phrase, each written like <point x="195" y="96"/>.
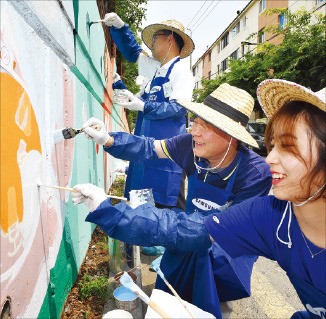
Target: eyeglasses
<point x="158" y="34"/>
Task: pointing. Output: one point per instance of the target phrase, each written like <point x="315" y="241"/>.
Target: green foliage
<point x="117" y="189"/>
<point x="301" y="57"/>
<point x="131" y="12"/>
<point x="93" y="286"/>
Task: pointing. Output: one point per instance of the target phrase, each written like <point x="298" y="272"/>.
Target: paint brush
<point x="68" y="133"/>
<point x="70" y="189"/>
<point x="127" y="281"/>
<point x="97" y="21"/>
<point x="155" y="265"/>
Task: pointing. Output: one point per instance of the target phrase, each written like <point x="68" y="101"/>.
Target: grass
<point x="93" y="286"/>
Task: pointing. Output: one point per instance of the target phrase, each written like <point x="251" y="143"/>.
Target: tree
<point x="301" y="57"/>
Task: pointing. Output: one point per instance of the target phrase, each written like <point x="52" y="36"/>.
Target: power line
<point x="196" y="14"/>
<point x="206" y="16"/>
<point x="198" y="19"/>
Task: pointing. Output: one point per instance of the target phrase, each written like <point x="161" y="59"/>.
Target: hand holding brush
<point x="69" y="132"/>
<point x="95" y="130"/>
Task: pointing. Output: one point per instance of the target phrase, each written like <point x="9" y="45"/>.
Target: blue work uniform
<point x="163" y="176"/>
<point x="245" y="229"/>
<point x="188" y="272"/>
<point x="162" y="118"/>
<point x="250" y="228"/>
<point x="223" y="278"/>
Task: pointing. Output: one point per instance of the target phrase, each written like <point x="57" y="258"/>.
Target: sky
<point x="206" y="19"/>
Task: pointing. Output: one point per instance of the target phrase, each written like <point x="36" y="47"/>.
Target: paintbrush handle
<point x="95" y="127"/>
<point x="158" y="309"/>
<point x="179" y="298"/>
<point x="72" y="190"/>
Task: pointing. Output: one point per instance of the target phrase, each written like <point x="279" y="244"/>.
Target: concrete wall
<point x="53" y="75"/>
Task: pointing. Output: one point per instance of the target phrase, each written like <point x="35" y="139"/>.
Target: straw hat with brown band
<point x="172" y="25"/>
<point x="227" y="108"/>
<point x="275" y="93"/>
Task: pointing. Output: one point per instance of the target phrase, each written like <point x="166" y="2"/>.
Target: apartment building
<point x="237" y="40"/>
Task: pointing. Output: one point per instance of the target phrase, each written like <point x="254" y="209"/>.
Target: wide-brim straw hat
<point x="273" y="94"/>
<point x="172" y="25"/>
<point x="228" y="108"/>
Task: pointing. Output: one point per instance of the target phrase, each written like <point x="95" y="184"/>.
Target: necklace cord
<point x="215" y="167"/>
<point x="310" y="198"/>
<point x="289" y="243"/>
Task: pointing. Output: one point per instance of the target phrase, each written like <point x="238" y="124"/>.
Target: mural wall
<point x="55" y="73"/>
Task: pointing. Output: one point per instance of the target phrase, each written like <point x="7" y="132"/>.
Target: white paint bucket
<point x="118" y="313"/>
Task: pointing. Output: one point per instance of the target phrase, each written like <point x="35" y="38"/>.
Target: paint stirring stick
<point x="72" y="190"/>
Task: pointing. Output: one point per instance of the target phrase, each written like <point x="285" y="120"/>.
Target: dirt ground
<point x="96" y="265"/>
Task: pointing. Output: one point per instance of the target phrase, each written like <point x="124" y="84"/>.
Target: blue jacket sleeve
<point x="150" y="226"/>
<point x="163" y="110"/>
<point x="131" y="147"/>
<point x="119" y="85"/>
<point x="126" y="42"/>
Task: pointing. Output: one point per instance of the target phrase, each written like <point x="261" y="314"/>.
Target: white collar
<point x="168" y="64"/>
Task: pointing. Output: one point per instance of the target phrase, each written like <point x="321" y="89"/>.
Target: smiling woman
<point x="297" y="154"/>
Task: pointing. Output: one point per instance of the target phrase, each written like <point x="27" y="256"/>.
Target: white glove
<point x="112" y="19"/>
<point x="94" y="129"/>
<point x="134" y="103"/>
<point x="116" y="77"/>
<point x="89" y="194"/>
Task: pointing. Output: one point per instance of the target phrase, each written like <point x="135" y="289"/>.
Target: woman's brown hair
<point x="284" y="121"/>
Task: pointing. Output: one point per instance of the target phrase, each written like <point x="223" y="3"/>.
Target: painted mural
<point x="43" y="236"/>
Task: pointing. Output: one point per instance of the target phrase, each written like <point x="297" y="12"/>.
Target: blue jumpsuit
<point x="162" y="118"/>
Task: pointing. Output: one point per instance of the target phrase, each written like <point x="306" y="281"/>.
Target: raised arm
<point x="123" y="145"/>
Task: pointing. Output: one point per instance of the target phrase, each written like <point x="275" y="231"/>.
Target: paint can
<point x="140" y="197"/>
<point x="120" y="96"/>
<point x="125" y="299"/>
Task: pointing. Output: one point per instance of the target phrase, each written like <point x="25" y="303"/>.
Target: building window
<point x="209" y="75"/>
<point x="244" y="22"/>
<point x="262" y="5"/>
<point x="261" y="36"/>
<point x="282" y="21"/>
<point x="319" y="1"/>
<point x="224" y="65"/>
<point x="209" y="56"/>
<point x="225" y="41"/>
<point x="194" y="71"/>
<point x="218" y="48"/>
<point x="218" y="69"/>
<point x="235" y="55"/>
<point x="236" y="30"/>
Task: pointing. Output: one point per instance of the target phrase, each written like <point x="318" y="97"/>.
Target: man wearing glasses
<point x="159" y="114"/>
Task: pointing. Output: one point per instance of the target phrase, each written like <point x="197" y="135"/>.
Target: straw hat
<point x="227" y="108"/>
<point x="274" y="93"/>
<point x="172" y="25"/>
